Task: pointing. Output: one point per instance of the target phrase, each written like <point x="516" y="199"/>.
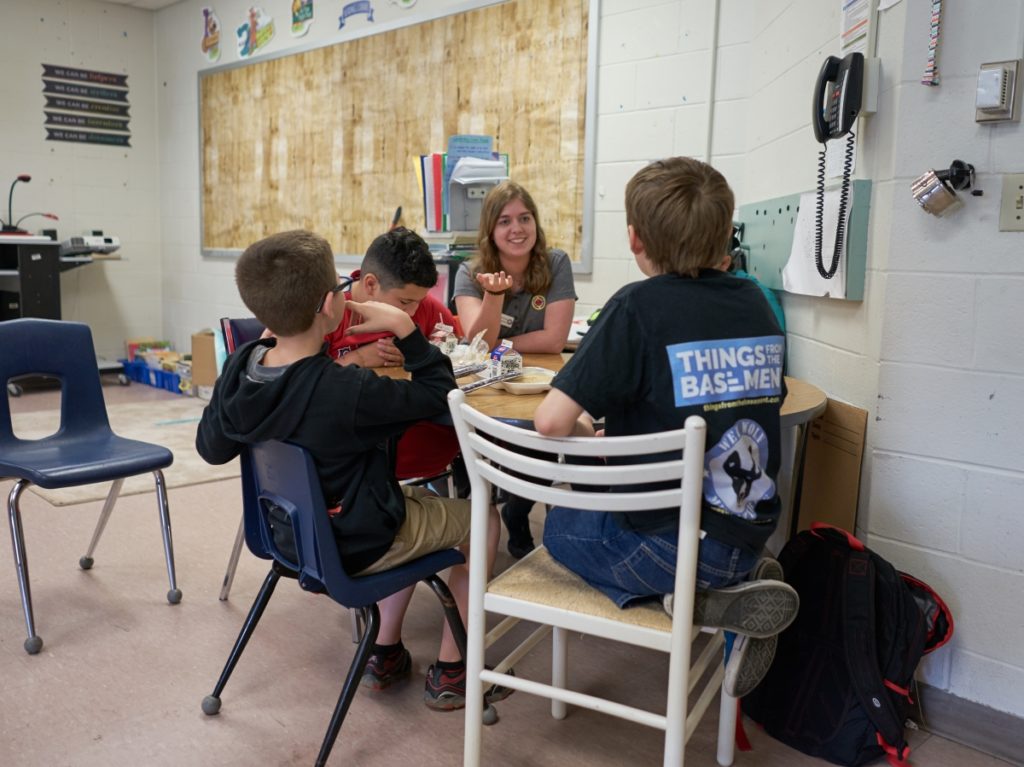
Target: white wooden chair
<point x="539" y="590"/>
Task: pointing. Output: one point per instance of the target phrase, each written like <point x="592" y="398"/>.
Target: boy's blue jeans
<point x="627" y="565"/>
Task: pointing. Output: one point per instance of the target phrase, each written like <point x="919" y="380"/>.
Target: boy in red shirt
<point x="398" y="270"/>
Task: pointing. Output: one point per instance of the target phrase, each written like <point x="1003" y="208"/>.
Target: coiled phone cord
<point x="819" y="213"/>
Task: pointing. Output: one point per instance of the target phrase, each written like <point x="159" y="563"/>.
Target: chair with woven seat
<point x="281" y="477"/>
<point x="82" y="451"/>
<point x="539" y="590"/>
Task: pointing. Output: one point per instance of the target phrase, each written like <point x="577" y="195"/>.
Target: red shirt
<point x="426" y="448"/>
<point x="427" y="315"/>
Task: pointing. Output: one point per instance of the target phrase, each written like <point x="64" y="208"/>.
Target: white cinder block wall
<point x="934" y="351"/>
<point x="88" y="187"/>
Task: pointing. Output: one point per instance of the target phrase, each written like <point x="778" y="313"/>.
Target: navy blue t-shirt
<point x="669" y="347"/>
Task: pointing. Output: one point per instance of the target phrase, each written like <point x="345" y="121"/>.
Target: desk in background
<point x="30" y="270"/>
<point x="29" y="277"/>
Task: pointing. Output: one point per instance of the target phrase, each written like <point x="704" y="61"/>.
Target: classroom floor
<point x="122" y="674"/>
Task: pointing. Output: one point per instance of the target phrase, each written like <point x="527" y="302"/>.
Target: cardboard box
<point x="830" y="488"/>
<point x="204" y="359"/>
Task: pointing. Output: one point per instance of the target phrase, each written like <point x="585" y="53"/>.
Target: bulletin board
<point x="328" y="139"/>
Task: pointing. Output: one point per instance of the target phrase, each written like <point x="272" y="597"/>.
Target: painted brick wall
<point x="113" y="189"/>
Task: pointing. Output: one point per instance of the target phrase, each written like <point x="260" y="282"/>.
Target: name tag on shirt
<point x="507" y="320"/>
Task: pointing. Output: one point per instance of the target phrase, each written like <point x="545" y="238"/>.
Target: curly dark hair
<point x="399" y="258"/>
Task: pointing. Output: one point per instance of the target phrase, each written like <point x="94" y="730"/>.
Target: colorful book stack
<point x="435" y="169"/>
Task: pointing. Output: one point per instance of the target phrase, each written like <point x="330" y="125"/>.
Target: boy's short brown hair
<point x="681" y="210"/>
<point x="282" y="278"/>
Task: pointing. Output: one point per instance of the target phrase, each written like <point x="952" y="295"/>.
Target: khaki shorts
<point x="431" y="524"/>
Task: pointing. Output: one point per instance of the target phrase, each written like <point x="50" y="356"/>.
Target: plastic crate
<point x="161" y="379"/>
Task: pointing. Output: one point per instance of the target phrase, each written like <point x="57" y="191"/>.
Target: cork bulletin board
<point x="328" y="138"/>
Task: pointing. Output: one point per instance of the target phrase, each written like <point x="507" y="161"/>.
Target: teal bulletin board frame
<point x="767" y="237"/>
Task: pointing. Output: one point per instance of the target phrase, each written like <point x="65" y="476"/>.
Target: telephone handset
<point x="834" y="109"/>
<point x="837" y="96"/>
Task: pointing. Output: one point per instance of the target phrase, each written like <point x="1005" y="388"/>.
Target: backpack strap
<point x="861" y="655"/>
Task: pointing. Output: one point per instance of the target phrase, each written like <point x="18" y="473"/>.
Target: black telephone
<point x="834" y="109"/>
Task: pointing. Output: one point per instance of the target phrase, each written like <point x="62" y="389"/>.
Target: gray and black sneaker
<point x="759" y="609"/>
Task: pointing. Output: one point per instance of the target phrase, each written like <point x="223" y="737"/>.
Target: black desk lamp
<point x="10" y="226"/>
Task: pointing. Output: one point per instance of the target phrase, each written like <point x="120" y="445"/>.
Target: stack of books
<point x="434" y="172"/>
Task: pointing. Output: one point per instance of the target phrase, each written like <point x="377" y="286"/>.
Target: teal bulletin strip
<point x="85" y="75"/>
<point x="85" y="91"/>
<point x="86" y="137"/>
<point x="78" y="105"/>
<point x="768" y="228"/>
<point x="86" y="121"/>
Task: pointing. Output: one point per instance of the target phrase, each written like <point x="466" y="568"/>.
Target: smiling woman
<point x="516" y="288"/>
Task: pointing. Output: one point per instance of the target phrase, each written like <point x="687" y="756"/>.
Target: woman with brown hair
<point x="516" y="288"/>
<point x="520" y="290"/>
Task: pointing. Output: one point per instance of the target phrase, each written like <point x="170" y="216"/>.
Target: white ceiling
<point x="148" y="5"/>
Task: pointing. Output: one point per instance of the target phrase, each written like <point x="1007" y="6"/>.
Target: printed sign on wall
<point x="85" y="106"/>
<point x="302" y="17"/>
<point x="255" y="33"/>
<point x="211" y="35"/>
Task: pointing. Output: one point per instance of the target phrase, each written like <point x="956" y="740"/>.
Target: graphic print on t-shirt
<point x="734" y="475"/>
<point x="734" y="370"/>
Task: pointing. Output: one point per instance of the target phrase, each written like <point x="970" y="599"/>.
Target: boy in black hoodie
<point x="285" y="387"/>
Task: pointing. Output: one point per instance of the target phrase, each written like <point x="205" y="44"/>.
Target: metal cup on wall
<point x="934" y="190"/>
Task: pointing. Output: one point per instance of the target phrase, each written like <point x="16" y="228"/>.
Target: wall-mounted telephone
<point x="834" y="109"/>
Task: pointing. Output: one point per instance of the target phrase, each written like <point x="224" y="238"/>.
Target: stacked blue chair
<point x="281" y="476"/>
<point x="83" y="451"/>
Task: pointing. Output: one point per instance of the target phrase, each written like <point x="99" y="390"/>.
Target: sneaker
<point x="751" y="657"/>
<point x="446" y="689"/>
<point x="767" y="569"/>
<point x="758" y="609"/>
<point x="748" y="663"/>
<point x="520" y="538"/>
<point x="383" y="670"/>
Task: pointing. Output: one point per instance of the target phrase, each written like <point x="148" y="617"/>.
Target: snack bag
<point x="443" y="337"/>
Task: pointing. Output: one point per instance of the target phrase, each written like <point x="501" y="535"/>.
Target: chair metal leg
<point x="174" y="594"/>
<point x="358" y="624"/>
<point x="451" y="612"/>
<point x="236" y="551"/>
<point x="34" y="643"/>
<point x="108" y="506"/>
<point x="211" y="703"/>
<point x="372" y="617"/>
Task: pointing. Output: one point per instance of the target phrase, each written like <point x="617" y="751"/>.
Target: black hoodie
<point x="345" y="417"/>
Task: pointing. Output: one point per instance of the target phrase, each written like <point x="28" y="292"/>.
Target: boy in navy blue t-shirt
<point x="689" y="340"/>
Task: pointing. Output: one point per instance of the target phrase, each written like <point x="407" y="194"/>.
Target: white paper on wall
<point x="800" y="274"/>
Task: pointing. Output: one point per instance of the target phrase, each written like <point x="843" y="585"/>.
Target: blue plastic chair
<point x="83" y="451"/>
<point x="282" y="476"/>
<point x="236" y="332"/>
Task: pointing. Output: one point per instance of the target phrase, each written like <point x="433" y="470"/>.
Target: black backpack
<point x="840" y="685"/>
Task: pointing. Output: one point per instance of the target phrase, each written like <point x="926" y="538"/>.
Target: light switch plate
<point x="1011" y="207"/>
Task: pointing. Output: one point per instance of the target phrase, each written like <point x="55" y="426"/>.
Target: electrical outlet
<point x="476" y="192"/>
<point x="1011" y="208"/>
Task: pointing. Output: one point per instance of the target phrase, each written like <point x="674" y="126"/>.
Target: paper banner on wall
<point x="351" y="9"/>
<point x="86" y="106"/>
<point x="302" y="17"/>
<point x="255" y="33"/>
<point x="211" y="35"/>
<point x="800" y="274"/>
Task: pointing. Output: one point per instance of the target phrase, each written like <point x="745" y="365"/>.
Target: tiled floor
<point x="122" y="674"/>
